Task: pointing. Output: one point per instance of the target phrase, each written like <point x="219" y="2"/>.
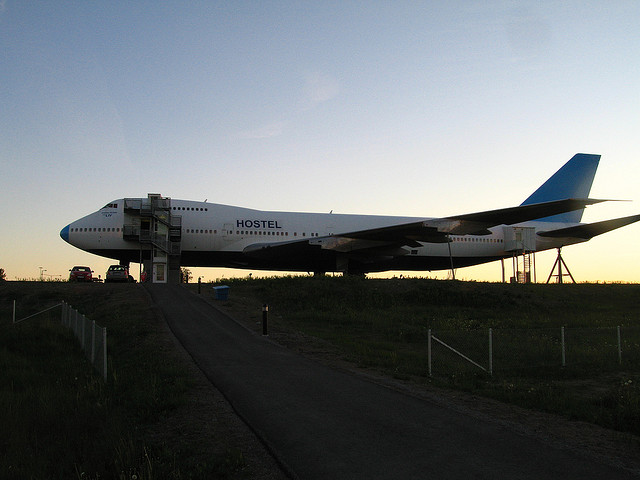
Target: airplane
<point x="164" y="234"/>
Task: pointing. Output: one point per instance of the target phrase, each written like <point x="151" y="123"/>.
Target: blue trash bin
<point x="221" y="292"/>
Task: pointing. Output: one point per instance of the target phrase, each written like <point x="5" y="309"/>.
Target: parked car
<point x="80" y="274"/>
<point x="118" y="273"/>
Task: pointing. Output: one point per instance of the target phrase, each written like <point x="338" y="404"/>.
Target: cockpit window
<point x="111" y="205"/>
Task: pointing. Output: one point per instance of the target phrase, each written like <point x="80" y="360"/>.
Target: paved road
<point x="325" y="424"/>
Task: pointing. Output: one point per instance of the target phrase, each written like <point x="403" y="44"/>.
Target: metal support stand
<point x="453" y="272"/>
<point x="560" y="262"/>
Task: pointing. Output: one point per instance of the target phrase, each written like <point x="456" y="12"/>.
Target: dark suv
<point x="117" y="273"/>
<point x="80" y="274"/>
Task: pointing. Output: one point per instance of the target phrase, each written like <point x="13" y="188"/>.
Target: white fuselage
<point x="217" y="235"/>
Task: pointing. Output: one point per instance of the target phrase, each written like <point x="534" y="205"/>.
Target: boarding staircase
<point x="521" y="243"/>
<point x="149" y="222"/>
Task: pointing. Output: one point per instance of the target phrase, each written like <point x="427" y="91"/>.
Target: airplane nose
<point x="64" y="234"/>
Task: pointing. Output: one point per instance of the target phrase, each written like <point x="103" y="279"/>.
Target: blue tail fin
<point x="573" y="180"/>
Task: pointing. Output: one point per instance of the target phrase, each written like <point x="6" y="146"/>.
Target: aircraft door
<point x="159" y="273"/>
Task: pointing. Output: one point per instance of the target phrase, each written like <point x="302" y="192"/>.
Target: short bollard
<point x="265" y="315"/>
<point x="199" y="284"/>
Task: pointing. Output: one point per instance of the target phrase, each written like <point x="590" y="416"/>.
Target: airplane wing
<point x="436" y="230"/>
<point x="589" y="230"/>
<point x="388" y="240"/>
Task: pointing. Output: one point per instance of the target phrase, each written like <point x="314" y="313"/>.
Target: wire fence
<point x="92" y="337"/>
<point x="497" y="350"/>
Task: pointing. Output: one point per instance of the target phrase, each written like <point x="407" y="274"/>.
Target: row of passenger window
<point x="278" y="234"/>
<point x="200" y="231"/>
<point x="251" y="232"/>
<point x="478" y="240"/>
<point x="192" y="209"/>
<point x="206" y="231"/>
<point x="105" y="229"/>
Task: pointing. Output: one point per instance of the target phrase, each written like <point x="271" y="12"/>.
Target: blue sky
<point x="400" y="108"/>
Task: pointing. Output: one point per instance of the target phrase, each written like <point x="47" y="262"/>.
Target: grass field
<point x="60" y="420"/>
<point x="383" y="325"/>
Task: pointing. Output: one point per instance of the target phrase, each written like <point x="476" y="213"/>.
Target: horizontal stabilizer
<point x="590" y="230"/>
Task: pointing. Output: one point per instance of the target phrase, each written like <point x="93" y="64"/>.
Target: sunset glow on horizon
<point x="397" y="108"/>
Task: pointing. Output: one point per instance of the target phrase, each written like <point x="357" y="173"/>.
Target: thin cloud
<point x="319" y="88"/>
<point x="270" y="130"/>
